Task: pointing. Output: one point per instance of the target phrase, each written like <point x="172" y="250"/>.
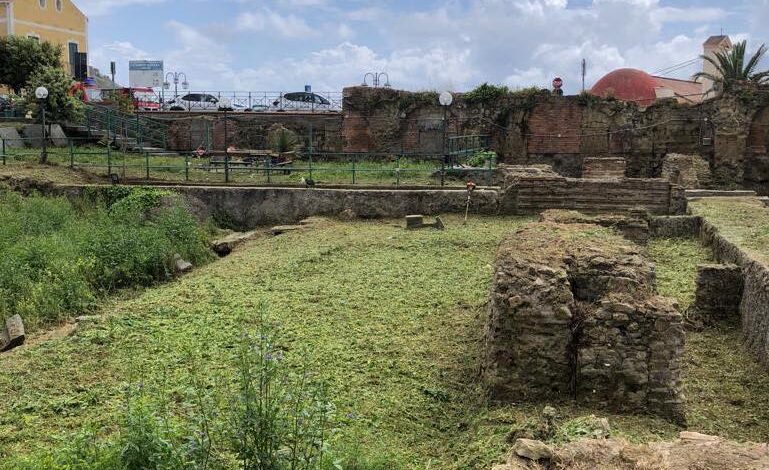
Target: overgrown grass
<point x="726" y="389"/>
<point x="58" y="259"/>
<point x="677" y="260"/>
<point x="391" y="320"/>
<point x="743" y="221"/>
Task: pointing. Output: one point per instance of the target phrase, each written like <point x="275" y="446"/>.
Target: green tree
<point x="732" y="67"/>
<point x="59" y="106"/>
<point x="21" y="57"/>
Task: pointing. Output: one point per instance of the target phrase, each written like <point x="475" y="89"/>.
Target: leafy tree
<point x="732" y="67"/>
<point x="21" y="57"/>
<point x="60" y="105"/>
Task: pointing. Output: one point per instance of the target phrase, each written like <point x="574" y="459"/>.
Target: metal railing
<point x="292" y="169"/>
<point x="253" y="101"/>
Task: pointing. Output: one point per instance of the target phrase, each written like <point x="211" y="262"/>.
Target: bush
<point x="58" y="258"/>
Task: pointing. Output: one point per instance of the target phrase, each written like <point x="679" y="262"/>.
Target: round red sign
<point x="557" y="82"/>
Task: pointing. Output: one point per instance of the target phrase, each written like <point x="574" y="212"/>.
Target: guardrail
<point x="255" y="101"/>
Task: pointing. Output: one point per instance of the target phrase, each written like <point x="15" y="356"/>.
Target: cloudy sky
<point x="278" y="45"/>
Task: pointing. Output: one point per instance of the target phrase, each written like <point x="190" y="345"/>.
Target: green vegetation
<point x="726" y="389"/>
<point x="92" y="161"/>
<point x="733" y="67"/>
<point x="269" y="419"/>
<point x="59" y="258"/>
<point x="59" y="106"/>
<point x="21" y="58"/>
<point x="742" y="221"/>
<point x="677" y="260"/>
<point x="385" y="324"/>
<point x="486" y="93"/>
<point x="391" y="321"/>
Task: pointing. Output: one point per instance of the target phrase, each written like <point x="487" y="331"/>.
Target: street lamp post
<point x="41" y="93"/>
<point x="376" y="79"/>
<point x="176" y="77"/>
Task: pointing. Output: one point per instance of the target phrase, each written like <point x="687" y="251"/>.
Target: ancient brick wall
<point x="719" y="292"/>
<point x="249" y="130"/>
<point x="555" y="127"/>
<point x="754" y="305"/>
<point x="532" y="194"/>
<point x="604" y="168"/>
<point x="688" y="171"/>
<point x="572" y="314"/>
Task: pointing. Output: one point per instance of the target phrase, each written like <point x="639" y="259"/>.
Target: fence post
<point x="353" y="169"/>
<point x="186" y="167"/>
<point x="443" y="169"/>
<point x="146" y="166"/>
<point x="109" y="158"/>
<point x="488" y="173"/>
<point x="226" y="166"/>
<point x="268" y="162"/>
<point x="71" y="153"/>
<point x="3" y="141"/>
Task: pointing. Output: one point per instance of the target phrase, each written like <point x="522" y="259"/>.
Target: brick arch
<point x="758" y="137"/>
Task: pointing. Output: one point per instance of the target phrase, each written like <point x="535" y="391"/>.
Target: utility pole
<point x="584" y="71"/>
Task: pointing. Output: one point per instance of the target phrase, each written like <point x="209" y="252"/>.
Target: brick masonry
<point x="572" y="314"/>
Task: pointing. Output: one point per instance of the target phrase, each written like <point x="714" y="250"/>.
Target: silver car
<point x="201" y="102"/>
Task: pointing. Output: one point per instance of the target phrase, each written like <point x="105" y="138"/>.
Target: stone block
<point x="12" y="333"/>
<point x="11" y="137"/>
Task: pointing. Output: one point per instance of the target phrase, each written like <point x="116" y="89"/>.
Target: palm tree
<point x="732" y="68"/>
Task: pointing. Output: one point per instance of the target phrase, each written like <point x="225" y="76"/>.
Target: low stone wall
<point x="674" y="226"/>
<point x="603" y="168"/>
<point x="250" y="207"/>
<point x="573" y="313"/>
<point x="754" y="306"/>
<point x="534" y="194"/>
<point x="719" y="292"/>
<point x="634" y="226"/>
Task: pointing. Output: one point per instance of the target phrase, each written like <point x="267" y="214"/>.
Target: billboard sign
<point x="145" y="73"/>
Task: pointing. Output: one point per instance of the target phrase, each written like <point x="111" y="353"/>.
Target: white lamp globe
<point x="41" y="93"/>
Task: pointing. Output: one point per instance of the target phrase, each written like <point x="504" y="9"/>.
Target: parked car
<point x="201" y="102"/>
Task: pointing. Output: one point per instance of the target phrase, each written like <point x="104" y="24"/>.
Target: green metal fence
<point x="297" y="168"/>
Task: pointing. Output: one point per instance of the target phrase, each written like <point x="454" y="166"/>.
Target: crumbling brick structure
<point x="719" y="292"/>
<point x="688" y="171"/>
<point x="604" y="168"/>
<point x="573" y="314"/>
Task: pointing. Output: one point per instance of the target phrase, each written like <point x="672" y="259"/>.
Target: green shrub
<point x="59" y="257"/>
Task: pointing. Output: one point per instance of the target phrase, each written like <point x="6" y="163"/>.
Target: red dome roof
<point x="627" y="85"/>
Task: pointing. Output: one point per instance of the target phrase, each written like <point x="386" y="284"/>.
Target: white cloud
<point x="102" y="7"/>
<point x="289" y="26"/>
<point x="453" y="44"/>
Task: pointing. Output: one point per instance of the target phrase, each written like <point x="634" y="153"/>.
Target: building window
<point x="42" y="3"/>
<point x="58" y="5"/>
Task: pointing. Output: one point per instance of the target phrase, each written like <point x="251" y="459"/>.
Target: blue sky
<point x="278" y="45"/>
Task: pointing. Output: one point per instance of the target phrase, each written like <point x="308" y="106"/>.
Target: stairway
<point x="133" y="133"/>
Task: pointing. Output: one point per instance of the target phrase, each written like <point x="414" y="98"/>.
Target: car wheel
<point x="229" y="110"/>
<point x="248" y="110"/>
<point x="177" y="108"/>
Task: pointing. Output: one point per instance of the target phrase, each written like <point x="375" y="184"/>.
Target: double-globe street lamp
<point x="176" y="77"/>
<point x="41" y="93"/>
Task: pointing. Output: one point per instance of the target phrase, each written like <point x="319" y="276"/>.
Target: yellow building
<point x="57" y="21"/>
